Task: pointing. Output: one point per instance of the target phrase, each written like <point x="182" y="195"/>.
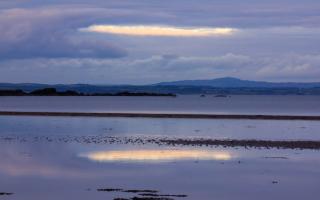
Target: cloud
<point x="161" y="68"/>
<point x="41" y="42"/>
<point x="51" y="32"/>
<point x="216" y="13"/>
<point x="155" y="155"/>
<point x="292" y="67"/>
<point x="165" y="31"/>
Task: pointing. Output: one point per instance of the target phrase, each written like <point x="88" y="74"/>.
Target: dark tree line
<point x="54" y="92"/>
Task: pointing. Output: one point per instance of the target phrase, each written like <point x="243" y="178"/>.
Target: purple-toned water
<point x="237" y="104"/>
<point x="46" y="170"/>
<point x="65" y="169"/>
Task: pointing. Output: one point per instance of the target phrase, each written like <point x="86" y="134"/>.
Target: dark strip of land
<point x="244" y="143"/>
<point x="54" y="92"/>
<point x="165" y="141"/>
<point x="5" y="193"/>
<point x="163" y="115"/>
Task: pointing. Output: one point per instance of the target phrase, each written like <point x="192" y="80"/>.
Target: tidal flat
<point x="156" y="159"/>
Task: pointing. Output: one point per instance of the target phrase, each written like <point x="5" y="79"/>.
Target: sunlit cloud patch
<point x="159" y="31"/>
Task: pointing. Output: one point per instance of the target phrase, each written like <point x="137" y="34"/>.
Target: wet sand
<point x="162" y="115"/>
<point x="167" y="141"/>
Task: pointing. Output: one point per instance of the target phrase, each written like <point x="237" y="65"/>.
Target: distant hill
<point x="230" y="82"/>
<point x="228" y="85"/>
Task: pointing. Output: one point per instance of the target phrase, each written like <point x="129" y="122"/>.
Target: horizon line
<point x="155" y="83"/>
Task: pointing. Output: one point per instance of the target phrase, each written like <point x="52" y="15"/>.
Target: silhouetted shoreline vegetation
<point x="142" y="90"/>
<point x="54" y="92"/>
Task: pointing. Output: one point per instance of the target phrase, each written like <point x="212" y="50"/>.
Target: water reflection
<point x="156" y="155"/>
<point x="51" y="171"/>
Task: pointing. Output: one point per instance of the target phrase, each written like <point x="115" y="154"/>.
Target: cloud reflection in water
<point x="156" y="155"/>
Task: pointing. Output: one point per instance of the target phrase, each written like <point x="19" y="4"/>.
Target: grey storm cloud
<point x="51" y="32"/>
<point x="234" y="13"/>
<point x="45" y="41"/>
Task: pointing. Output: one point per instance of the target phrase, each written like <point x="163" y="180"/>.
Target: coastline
<point x="169" y="141"/>
<point x="162" y="115"/>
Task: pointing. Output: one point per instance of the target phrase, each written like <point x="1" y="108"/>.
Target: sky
<point x="149" y="41"/>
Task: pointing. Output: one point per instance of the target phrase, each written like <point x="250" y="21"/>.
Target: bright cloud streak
<point x="156" y="155"/>
<point x="165" y="31"/>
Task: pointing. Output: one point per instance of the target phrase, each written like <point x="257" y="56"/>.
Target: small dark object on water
<point x="220" y="95"/>
<point x="140" y="191"/>
<point x="163" y="195"/>
<point x="5" y="193"/>
<point x="275" y="182"/>
<point x="202" y="95"/>
<point x="275" y="157"/>
<point x="151" y="198"/>
<point x="109" y="190"/>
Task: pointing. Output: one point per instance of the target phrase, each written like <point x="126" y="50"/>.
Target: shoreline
<point x="161" y="115"/>
<point x="167" y="141"/>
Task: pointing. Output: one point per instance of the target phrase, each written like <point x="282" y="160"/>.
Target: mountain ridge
<point x="226" y="85"/>
<point x="236" y="82"/>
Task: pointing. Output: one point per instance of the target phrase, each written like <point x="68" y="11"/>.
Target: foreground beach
<point x="63" y="150"/>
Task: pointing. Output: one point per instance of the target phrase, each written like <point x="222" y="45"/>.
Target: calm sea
<point x="64" y="168"/>
<point x="295" y="105"/>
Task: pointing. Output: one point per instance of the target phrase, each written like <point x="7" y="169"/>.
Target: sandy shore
<point x="162" y="115"/>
